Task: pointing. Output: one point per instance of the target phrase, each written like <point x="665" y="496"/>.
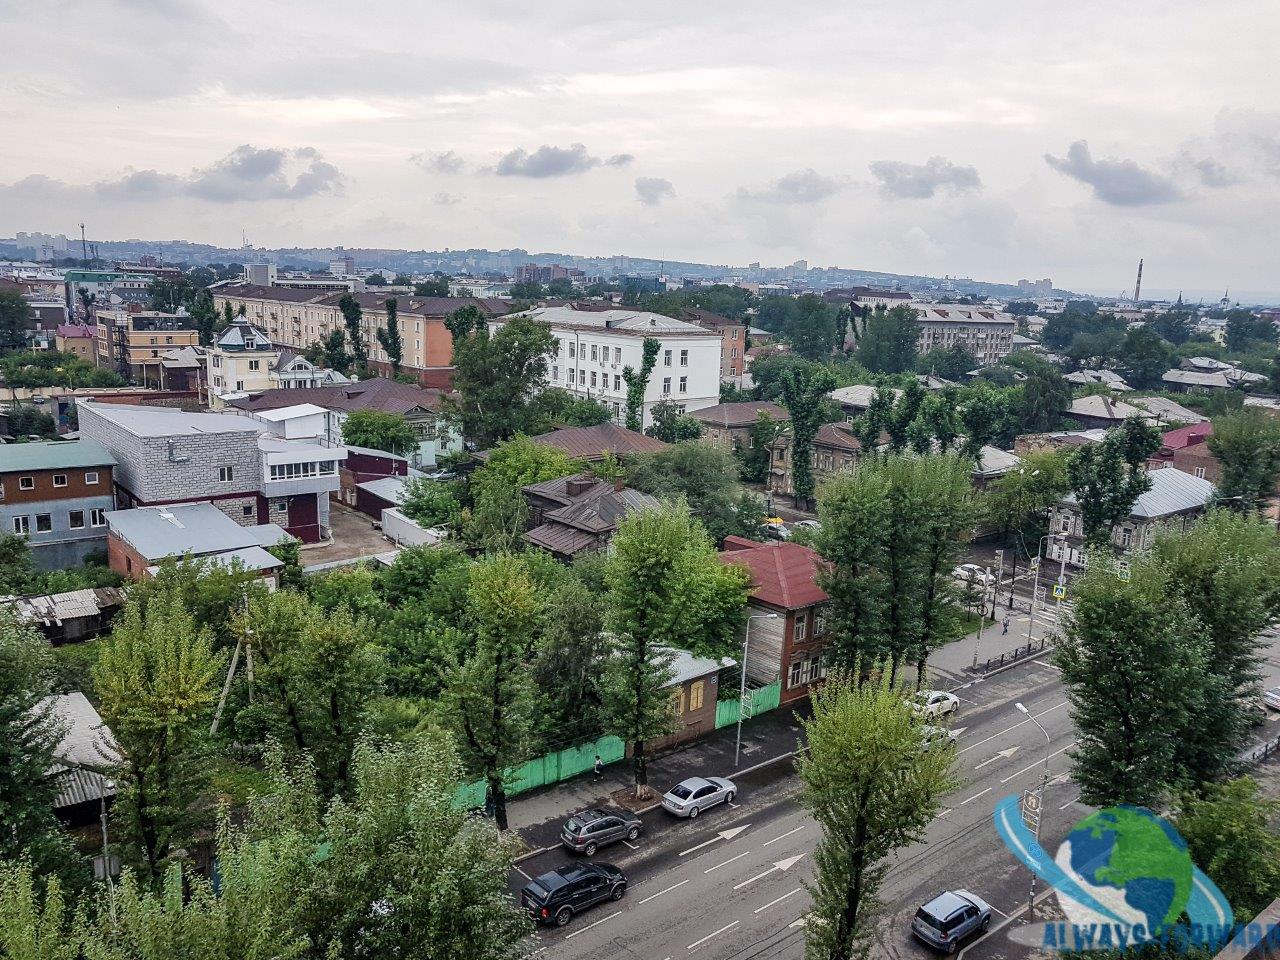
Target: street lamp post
<point x="742" y="689"/>
<point x="1044" y="785"/>
<point x="982" y="616"/>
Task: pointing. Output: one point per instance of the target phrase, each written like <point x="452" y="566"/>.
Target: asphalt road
<point x="729" y="885"/>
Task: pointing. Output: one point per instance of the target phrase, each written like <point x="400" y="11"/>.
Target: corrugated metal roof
<point x="783" y="574"/>
<point x="687" y="666"/>
<point x="167" y="421"/>
<point x="858" y="395"/>
<point x="1172" y="491"/>
<point x="54" y="455"/>
<point x="390" y="489"/>
<point x="740" y="414"/>
<point x="195" y="528"/>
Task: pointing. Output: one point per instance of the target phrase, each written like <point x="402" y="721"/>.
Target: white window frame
<point x="97" y="517"/>
<point x="684" y="384"/>
<point x="59" y="476"/>
<point x="22" y="526"/>
<point x="26" y="483"/>
<point x="91" y="478"/>
<point x="226" y="473"/>
<point x="71" y="520"/>
<point x="48" y="518"/>
<point x="666" y="386"/>
<point x="666" y="358"/>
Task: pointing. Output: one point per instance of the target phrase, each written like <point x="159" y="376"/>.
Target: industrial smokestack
<point x="1137" y="287"/>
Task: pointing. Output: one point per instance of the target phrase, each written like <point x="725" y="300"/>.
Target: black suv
<point x="556" y="896"/>
<point x="586" y="831"/>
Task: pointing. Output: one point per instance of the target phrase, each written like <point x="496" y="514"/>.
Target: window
<point x="684" y="358"/>
<point x="733" y="354"/>
<point x="555" y="372"/>
<point x="695" y="695"/>
<point x="666" y="358"/>
<point x="280" y="506"/>
<point x="617" y="383"/>
<point x="59" y="479"/>
<point x="571" y="375"/>
<point x="1126" y="536"/>
<point x="666" y="385"/>
<point x="735" y="337"/>
<point x="22" y="525"/>
<point x="684" y="384"/>
<point x="819" y="622"/>
<point x="254" y="364"/>
<point x="75" y="519"/>
<point x="98" y="517"/>
<point x="796" y="673"/>
<point x="128" y="565"/>
<point x="617" y="354"/>
<point x="91" y="478"/>
<point x="26" y="483"/>
<point x="571" y="353"/>
<point x="817" y="669"/>
<point x="780" y="454"/>
<point x="677" y="698"/>
<point x="593" y="352"/>
<point x="298" y="471"/>
<point x="1064" y="525"/>
<point x="226" y="474"/>
<point x="44" y="522"/>
<point x="593" y="378"/>
<point x="247" y="511"/>
<point x="1199" y="473"/>
<point x="798" y="632"/>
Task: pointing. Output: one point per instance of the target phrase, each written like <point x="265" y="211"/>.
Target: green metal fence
<point x="761" y="700"/>
<point x="550" y="768"/>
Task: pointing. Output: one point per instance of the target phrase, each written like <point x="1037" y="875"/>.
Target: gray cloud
<point x="446" y="162"/>
<point x="913" y="181"/>
<point x="803" y="186"/>
<point x="446" y="199"/>
<point x="1121" y="183"/>
<point x="653" y="190"/>
<point x="1212" y="173"/>
<point x="246" y="173"/>
<point x="548" y="161"/>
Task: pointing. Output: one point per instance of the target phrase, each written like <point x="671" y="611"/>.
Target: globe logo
<point x="1131" y="862"/>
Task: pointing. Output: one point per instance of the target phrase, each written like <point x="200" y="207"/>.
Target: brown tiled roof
<point x="591" y="443"/>
<point x="705" y="318"/>
<point x="783" y="575"/>
<point x="371" y="300"/>
<point x="837" y="435"/>
<point x="376" y="393"/>
<point x="740" y="414"/>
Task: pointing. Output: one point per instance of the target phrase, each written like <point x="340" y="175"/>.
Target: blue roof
<point x="54" y="455"/>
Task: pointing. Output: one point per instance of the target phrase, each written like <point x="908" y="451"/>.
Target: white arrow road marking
<point x="778" y="900"/>
<point x="781" y="866"/>
<point x="654" y="896"/>
<point x="798" y="923"/>
<point x="722" y="835"/>
<point x="1006" y="754"/>
<point x="958" y="730"/>
<point x="784" y="836"/>
<point x="1013" y="727"/>
<point x="698" y="943"/>
<point x="725" y="863"/>
<point x="590" y="925"/>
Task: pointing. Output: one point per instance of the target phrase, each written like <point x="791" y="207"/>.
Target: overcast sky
<point x="967" y="137"/>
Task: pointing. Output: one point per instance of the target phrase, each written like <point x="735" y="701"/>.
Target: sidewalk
<point x="952" y="662"/>
<point x="538" y="815"/>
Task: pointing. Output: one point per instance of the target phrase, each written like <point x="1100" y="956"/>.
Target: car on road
<point x="950" y="917"/>
<point x="1271" y="698"/>
<point x="587" y="831"/>
<point x="973" y="573"/>
<point x="936" y="735"/>
<point x="935" y="703"/>
<point x="555" y="896"/>
<point x="690" y="797"/>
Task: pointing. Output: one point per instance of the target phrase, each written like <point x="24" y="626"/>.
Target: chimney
<point x="618" y="485"/>
<point x="577" y="486"/>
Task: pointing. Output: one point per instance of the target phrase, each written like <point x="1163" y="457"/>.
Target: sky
<point x="964" y="138"/>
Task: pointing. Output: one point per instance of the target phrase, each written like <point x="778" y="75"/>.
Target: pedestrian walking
<point x="599" y="769"/>
<point x="1006" y="627"/>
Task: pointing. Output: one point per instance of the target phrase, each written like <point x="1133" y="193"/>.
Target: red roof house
<point x="784" y="581"/>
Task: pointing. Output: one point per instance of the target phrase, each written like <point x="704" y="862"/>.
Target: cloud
<point x="653" y="190"/>
<point x="548" y="161"/>
<point x="803" y="186"/>
<point x="446" y="162"/>
<point x="1212" y="173"/>
<point x="910" y="181"/>
<point x="246" y="173"/>
<point x="1121" y="183"/>
<point x="446" y="199"/>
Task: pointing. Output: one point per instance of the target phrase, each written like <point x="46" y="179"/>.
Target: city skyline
<point x="960" y="142"/>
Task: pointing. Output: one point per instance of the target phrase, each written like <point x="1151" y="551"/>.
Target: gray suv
<point x="589" y="830"/>
<point x="950" y="917"/>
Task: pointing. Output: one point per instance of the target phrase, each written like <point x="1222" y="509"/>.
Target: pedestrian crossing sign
<point x="1059" y="591"/>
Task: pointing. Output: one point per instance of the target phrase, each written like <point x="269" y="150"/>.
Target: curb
<point x="1031" y="658"/>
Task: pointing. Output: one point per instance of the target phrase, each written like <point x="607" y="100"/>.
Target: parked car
<point x="775" y="528"/>
<point x="441" y="475"/>
<point x="973" y="573"/>
<point x="936" y="735"/>
<point x="950" y="917"/>
<point x="555" y="896"/>
<point x="587" y="831"/>
<point x="690" y="797"/>
<point x="1271" y="698"/>
<point x="935" y="703"/>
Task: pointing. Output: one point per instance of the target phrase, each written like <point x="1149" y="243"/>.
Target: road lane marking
<point x="727" y="862"/>
<point x="732" y="804"/>
<point x="1068" y="803"/>
<point x="522" y="873"/>
<point x="654" y="896"/>
<point x="596" y="924"/>
<point x="975" y="796"/>
<point x="778" y="900"/>
<point x="782" y="866"/>
<point x="1003" y="754"/>
<point x="1038" y="762"/>
<point x="698" y="943"/>
<point x="630" y="844"/>
<point x="997" y="910"/>
<point x="722" y="835"/>
<point x="942" y="815"/>
<point x="785" y="835"/>
<point x="1014" y="727"/>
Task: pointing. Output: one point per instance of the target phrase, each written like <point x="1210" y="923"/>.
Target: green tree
<point x="1135" y="671"/>
<point x="353" y="318"/>
<point x="335" y="354"/>
<point x="811" y="330"/>
<point x="489" y="697"/>
<point x="521" y="461"/>
<point x="1145" y="357"/>
<point x="566" y="668"/>
<point x="15" y="320"/>
<point x="379" y="431"/>
<point x="1018" y="503"/>
<point x="496" y="376"/>
<point x="555" y="407"/>
<point x="499" y="517"/>
<point x="1045" y="395"/>
<point x="754" y="458"/>
<point x="1247" y="444"/>
<point x="873" y="786"/>
<point x="804" y="391"/>
<point x="637" y="382"/>
<point x="431" y="503"/>
<point x="949" y="363"/>
<point x="36" y="922"/>
<point x="890" y="340"/>
<point x="704" y="477"/>
<point x="1108" y="477"/>
<point x="376" y="280"/>
<point x="437" y="286"/>
<point x="671" y="424"/>
<point x="205" y="316"/>
<point x="156" y="678"/>
<point x="1233" y="835"/>
<point x="1246" y="332"/>
<point x="389" y="337"/>
<point x="1175" y="326"/>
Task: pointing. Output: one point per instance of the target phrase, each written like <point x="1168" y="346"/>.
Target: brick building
<point x="56" y="494"/>
<point x="733" y="340"/>
<point x="132" y="344"/>
<point x="1187" y="449"/>
<point x="141" y="539"/>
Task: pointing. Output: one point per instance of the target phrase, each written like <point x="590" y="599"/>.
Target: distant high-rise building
<point x="261" y="274"/>
<point x="801" y="266"/>
<point x="341" y="267"/>
<point x="1036" y="288"/>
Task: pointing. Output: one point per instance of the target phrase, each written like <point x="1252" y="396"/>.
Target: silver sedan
<point x="690" y="797"/>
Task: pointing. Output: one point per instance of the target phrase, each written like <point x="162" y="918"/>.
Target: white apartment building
<point x="986" y="333"/>
<point x="596" y="346"/>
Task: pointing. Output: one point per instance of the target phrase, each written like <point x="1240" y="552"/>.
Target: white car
<point x="690" y="797"/>
<point x="935" y="703"/>
<point x="973" y="573"/>
<point x="1271" y="698"/>
<point x="931" y="735"/>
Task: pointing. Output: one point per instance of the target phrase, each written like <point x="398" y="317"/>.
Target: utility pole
<point x="1033" y="802"/>
<point x="982" y="617"/>
<point x="995" y="596"/>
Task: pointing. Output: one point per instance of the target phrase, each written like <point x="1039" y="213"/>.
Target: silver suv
<point x="950" y="917"/>
<point x="589" y="830"/>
